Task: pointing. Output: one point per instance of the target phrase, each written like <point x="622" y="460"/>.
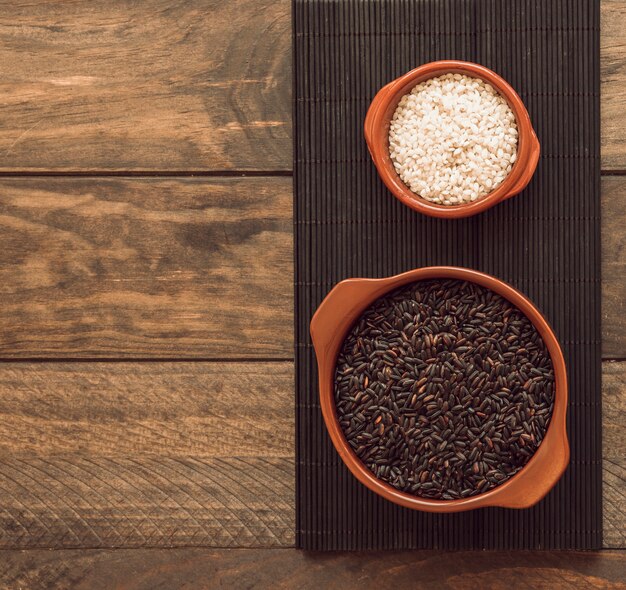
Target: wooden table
<point x="146" y="291"/>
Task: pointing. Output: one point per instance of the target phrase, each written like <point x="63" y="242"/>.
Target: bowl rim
<point x="329" y="327"/>
<point x="376" y="128"/>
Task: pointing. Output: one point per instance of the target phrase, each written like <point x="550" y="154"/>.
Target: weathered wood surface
<point x="193" y="268"/>
<point x="180" y="85"/>
<point x="199" y="410"/>
<point x="614" y="453"/>
<point x="107" y="267"/>
<point x="80" y="500"/>
<point x="153" y="455"/>
<point x="153" y="85"/>
<point x="144" y="454"/>
<point x="614" y="266"/>
<point x="256" y="568"/>
<point x="613" y="84"/>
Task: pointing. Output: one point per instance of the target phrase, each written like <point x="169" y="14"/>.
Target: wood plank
<point x="107" y="267"/>
<point x="155" y="85"/>
<point x="614" y="453"/>
<point x="258" y="568"/>
<point x="613" y="83"/>
<point x="131" y="409"/>
<point x="83" y="501"/>
<point x="145" y="454"/>
<point x="178" y="268"/>
<point x="613" y="267"/>
<point x="180" y="86"/>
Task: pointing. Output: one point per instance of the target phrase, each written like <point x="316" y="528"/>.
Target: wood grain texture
<point x="614" y="453"/>
<point x="180" y="85"/>
<point x="152" y="455"/>
<point x="195" y="268"/>
<point x="257" y="568"/>
<point x="154" y="85"/>
<point x="86" y="501"/>
<point x="614" y="267"/>
<point x="613" y="83"/>
<point x="200" y="410"/>
<point x="145" y="454"/>
<point x="155" y="455"/>
<point x="105" y="267"/>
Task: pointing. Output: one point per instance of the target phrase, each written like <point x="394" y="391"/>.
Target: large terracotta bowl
<point x="377" y="123"/>
<point x="329" y="327"/>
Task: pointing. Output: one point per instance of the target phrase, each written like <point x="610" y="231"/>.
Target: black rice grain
<point x="444" y="389"/>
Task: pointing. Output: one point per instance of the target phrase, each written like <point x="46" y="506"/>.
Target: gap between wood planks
<point x="177" y="173"/>
<point x="247" y="359"/>
<point x="171" y="174"/>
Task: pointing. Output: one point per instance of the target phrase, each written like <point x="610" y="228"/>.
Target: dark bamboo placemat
<point x="545" y="242"/>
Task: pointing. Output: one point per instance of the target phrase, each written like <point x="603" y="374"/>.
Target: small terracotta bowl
<point x="329" y="327"/>
<point x="377" y="123"/>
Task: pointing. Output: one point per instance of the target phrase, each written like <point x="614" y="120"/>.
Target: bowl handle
<point x="546" y="471"/>
<point x="338" y="305"/>
<point x="369" y="126"/>
<point x="533" y="159"/>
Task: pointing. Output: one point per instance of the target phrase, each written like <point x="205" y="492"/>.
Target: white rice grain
<point x="453" y="139"/>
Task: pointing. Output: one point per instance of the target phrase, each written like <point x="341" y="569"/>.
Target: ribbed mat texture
<point x="545" y="242"/>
